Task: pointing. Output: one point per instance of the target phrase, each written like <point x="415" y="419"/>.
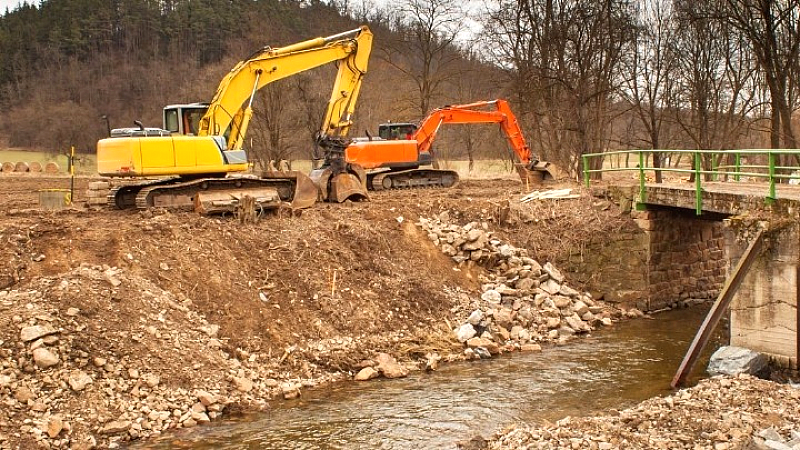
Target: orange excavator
<point x="393" y="159"/>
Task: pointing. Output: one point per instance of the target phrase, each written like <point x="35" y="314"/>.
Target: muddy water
<point x="617" y="368"/>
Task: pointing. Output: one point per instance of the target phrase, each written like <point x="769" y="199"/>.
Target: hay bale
<point x="52" y="167"/>
<point x="36" y="167"/>
<point x="7" y="167"/>
<point x="22" y="167"/>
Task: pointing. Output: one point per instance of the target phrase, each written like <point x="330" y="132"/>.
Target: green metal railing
<point x="740" y="165"/>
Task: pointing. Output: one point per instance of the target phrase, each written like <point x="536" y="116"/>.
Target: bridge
<point x="699" y="221"/>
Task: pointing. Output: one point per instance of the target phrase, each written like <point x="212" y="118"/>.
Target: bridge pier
<point x="764" y="314"/>
<point x="686" y="257"/>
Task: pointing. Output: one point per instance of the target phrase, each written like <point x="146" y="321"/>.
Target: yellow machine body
<point x="167" y="155"/>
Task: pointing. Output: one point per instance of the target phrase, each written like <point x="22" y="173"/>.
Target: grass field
<point x="84" y="164"/>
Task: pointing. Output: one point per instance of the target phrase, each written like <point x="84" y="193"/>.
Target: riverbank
<point x="719" y="413"/>
<point x="118" y="326"/>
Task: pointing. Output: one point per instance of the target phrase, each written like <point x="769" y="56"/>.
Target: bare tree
<point x="772" y="28"/>
<point x="562" y="59"/>
<point x="270" y="145"/>
<point x="718" y="82"/>
<point x="649" y="73"/>
<point x="423" y="48"/>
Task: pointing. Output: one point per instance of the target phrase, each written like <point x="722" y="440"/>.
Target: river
<point x="613" y="368"/>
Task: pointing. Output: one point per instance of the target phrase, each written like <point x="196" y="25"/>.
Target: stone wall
<point x="613" y="267"/>
<point x="687" y="258"/>
<point x="764" y="314"/>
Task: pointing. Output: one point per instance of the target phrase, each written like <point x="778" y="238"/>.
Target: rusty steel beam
<point x="717" y="310"/>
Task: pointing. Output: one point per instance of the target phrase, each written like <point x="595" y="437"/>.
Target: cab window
<point x="171" y="120"/>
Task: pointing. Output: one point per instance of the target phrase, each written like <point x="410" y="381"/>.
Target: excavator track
<point x="182" y="195"/>
<point x="412" y="179"/>
<point x="124" y="197"/>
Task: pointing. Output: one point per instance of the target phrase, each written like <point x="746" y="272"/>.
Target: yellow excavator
<point x="198" y="152"/>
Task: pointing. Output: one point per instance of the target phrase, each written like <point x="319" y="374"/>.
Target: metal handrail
<point x="736" y="171"/>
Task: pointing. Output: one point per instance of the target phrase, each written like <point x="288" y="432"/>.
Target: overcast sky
<point x="10" y="4"/>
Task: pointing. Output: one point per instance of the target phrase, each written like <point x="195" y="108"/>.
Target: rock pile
<point x="523" y="303"/>
<point x="720" y="413"/>
<point x="79" y="368"/>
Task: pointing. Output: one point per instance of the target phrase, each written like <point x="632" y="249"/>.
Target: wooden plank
<point x="717" y="310"/>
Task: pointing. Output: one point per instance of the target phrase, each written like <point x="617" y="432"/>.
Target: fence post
<point x="698" y="184"/>
<point x="585" y="169"/>
<point x="642" y="191"/>
<point x="771" y="197"/>
<point x="738" y="166"/>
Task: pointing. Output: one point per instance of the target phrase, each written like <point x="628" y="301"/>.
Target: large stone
<point x="367" y="373"/>
<point x="78" y="380"/>
<point x="28" y="334"/>
<point x="475" y="234"/>
<point x="242" y="384"/>
<point x="206" y="398"/>
<point x="23" y="395"/>
<point x="580" y="308"/>
<point x="731" y="360"/>
<point x="525" y="283"/>
<point x="561" y="302"/>
<point x="475" y="318"/>
<point x="491" y="296"/>
<point x="54" y="426"/>
<point x="465" y="332"/>
<point x="568" y="291"/>
<point x="151" y="380"/>
<point x="577" y="324"/>
<point x="530" y="348"/>
<point x="504" y="318"/>
<point x="449" y="250"/>
<point x="550" y="286"/>
<point x="44" y="358"/>
<point x="472" y="246"/>
<point x="478" y="342"/>
<point x="553" y="323"/>
<point x="115" y="427"/>
<point x="290" y="391"/>
<point x="390" y="367"/>
<point x="554" y="273"/>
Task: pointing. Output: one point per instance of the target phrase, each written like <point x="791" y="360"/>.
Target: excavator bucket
<point x="294" y="187"/>
<point x="538" y="172"/>
<point x="338" y="187"/>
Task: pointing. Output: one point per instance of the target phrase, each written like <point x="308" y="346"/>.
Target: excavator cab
<point x="397" y="131"/>
<point x="184" y="119"/>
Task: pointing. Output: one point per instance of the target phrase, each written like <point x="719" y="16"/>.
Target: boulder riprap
<point x="522" y="301"/>
<point x="724" y="413"/>
<point x="730" y="360"/>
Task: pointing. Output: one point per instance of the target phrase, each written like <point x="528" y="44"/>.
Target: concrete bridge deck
<point x="719" y="197"/>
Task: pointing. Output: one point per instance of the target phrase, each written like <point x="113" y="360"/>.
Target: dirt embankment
<point x="118" y="325"/>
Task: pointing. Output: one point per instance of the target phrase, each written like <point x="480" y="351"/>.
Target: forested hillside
<point x="69" y="63"/>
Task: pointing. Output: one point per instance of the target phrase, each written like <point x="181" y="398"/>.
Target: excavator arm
<point x="233" y="100"/>
<point x="471" y="113"/>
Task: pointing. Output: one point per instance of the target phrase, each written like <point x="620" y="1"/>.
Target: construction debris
<point x="551" y="194"/>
